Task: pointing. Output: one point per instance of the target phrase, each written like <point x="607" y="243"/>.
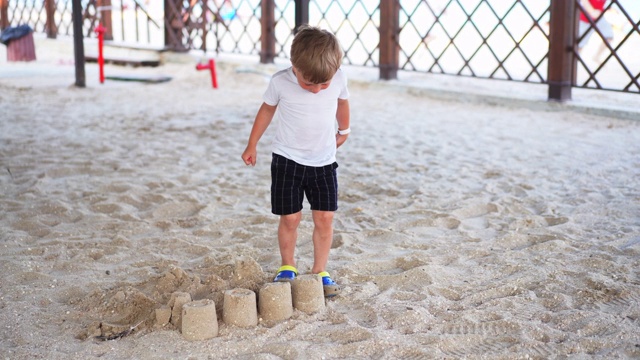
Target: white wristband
<point x="345" y="131"/>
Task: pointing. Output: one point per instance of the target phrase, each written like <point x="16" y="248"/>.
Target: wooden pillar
<point x="173" y="25"/>
<point x="105" y="16"/>
<point x="203" y="25"/>
<point x="563" y="27"/>
<point x="268" y="36"/>
<point x="78" y="45"/>
<point x="389" y="39"/>
<point x="4" y="14"/>
<point x="167" y="24"/>
<point x="50" y="27"/>
<point x="302" y="14"/>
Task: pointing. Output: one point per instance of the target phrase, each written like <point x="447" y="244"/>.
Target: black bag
<point x="14" y="33"/>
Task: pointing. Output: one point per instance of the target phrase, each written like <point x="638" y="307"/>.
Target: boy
<point x="310" y="96"/>
<point x="594" y="10"/>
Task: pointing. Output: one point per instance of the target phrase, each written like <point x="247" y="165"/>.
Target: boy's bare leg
<point x="322" y="239"/>
<point x="287" y="237"/>
<point x="598" y="57"/>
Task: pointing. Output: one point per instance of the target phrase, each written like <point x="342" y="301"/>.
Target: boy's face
<point x="309" y="86"/>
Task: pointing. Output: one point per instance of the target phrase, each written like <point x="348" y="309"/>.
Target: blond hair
<point x="316" y="54"/>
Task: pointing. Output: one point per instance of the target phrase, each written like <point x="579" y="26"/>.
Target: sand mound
<point x="127" y="308"/>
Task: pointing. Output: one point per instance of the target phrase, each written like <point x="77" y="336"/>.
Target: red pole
<point x="100" y="31"/>
<point x="212" y="68"/>
<point x="214" y="77"/>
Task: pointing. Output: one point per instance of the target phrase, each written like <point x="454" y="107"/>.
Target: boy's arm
<point x="343" y="117"/>
<point x="260" y="124"/>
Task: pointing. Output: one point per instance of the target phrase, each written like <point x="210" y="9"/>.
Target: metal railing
<point x="615" y="63"/>
<point x="126" y="21"/>
<point x="519" y="40"/>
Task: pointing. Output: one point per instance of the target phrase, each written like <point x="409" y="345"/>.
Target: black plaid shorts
<point x="290" y="181"/>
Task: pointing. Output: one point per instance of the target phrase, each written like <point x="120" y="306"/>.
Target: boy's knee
<point x="323" y="218"/>
<point x="291" y="220"/>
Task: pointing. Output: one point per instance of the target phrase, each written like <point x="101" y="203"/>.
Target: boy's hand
<point x="249" y="157"/>
<point x="340" y="139"/>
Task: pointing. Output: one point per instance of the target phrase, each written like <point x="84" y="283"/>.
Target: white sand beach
<point x="469" y="227"/>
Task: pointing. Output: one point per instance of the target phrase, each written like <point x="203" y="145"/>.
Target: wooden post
<point x="4" y="14"/>
<point x="167" y="24"/>
<point x="50" y="27"/>
<point x="302" y="14"/>
<point x="268" y="36"/>
<point x="105" y="16"/>
<point x="389" y="42"/>
<point x="173" y="25"/>
<point x="78" y="45"/>
<point x="203" y="25"/>
<point x="563" y="27"/>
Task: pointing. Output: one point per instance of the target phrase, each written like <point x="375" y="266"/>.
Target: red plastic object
<point x="211" y="65"/>
<point x="100" y="31"/>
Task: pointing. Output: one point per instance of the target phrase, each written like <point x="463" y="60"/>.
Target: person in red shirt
<point x="592" y="17"/>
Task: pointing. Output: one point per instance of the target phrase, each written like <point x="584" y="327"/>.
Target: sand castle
<point x="308" y="294"/>
<point x="197" y="320"/>
<point x="276" y="302"/>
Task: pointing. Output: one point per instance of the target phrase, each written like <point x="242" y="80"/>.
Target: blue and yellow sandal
<point x="331" y="288"/>
<point x="286" y="273"/>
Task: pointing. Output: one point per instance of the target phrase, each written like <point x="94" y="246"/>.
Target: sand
<point x="467" y="228"/>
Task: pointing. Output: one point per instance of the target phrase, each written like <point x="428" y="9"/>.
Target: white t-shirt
<point x="306" y="122"/>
